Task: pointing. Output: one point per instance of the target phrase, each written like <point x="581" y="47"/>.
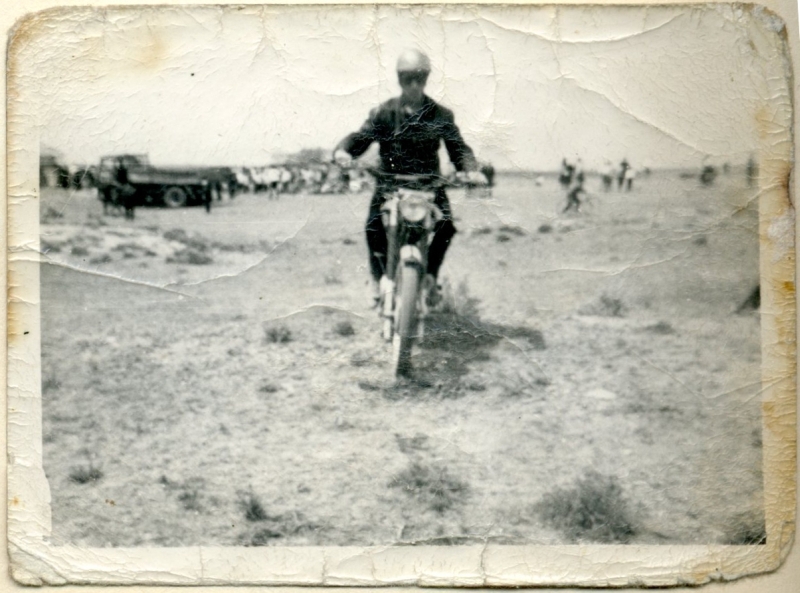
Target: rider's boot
<point x="433" y="291"/>
<point x="373" y="293"/>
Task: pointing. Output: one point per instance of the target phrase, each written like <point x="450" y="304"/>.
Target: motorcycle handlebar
<point x="431" y="180"/>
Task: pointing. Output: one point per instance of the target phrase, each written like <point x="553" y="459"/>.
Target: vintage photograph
<point x="403" y="277"/>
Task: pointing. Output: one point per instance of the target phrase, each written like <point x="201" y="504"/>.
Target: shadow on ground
<point x="455" y="341"/>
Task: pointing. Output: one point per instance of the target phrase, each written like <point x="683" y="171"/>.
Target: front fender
<point x="410" y="254"/>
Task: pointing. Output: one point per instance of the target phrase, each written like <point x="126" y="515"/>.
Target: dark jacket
<point x="409" y="143"/>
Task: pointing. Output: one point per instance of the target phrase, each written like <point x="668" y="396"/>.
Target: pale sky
<point x="528" y="85"/>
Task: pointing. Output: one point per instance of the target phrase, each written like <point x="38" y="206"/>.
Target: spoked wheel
<point x="406" y="320"/>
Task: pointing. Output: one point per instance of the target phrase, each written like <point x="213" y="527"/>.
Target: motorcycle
<point x="409" y="215"/>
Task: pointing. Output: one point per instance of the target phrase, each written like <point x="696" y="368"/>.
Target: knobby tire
<point x="406" y="325"/>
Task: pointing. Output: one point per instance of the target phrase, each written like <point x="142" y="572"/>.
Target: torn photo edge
<point x="35" y="561"/>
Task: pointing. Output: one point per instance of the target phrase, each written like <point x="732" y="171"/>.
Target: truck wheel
<point x="175" y="197"/>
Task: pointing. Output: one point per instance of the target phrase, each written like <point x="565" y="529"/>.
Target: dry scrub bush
<point x="101" y="259"/>
<point x="594" y="509"/>
<point x="50" y="383"/>
<point x="84" y="474"/>
<point x="511" y="230"/>
<point x="130" y="249"/>
<point x="746" y="529"/>
<point x="190" y="256"/>
<point x="344" y="329"/>
<point x="277" y="334"/>
<point x="262" y="537"/>
<point x="252" y="507"/>
<point x="190" y="499"/>
<point x="431" y="486"/>
<point x="661" y="328"/>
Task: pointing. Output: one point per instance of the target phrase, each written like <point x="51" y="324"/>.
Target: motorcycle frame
<point x="407" y="243"/>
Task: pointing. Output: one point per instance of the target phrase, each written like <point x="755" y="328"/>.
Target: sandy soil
<point x="219" y="380"/>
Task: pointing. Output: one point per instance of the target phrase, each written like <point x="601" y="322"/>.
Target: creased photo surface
<point x="389" y="295"/>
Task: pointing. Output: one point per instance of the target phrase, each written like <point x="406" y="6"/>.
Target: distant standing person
<point x="272" y="176"/>
<point x="575" y="188"/>
<point x="565" y="176"/>
<point x="123" y="190"/>
<point x="630" y="175"/>
<point x="488" y="172"/>
<point x="285" y="179"/>
<point x="623" y="169"/>
<point x="607" y="174"/>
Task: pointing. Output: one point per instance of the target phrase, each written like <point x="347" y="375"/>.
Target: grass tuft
<point x="50" y="383"/>
<point x="252" y="507"/>
<point x="85" y="474"/>
<point x="661" y="328"/>
<point x="594" y="509"/>
<point x="484" y="230"/>
<point x="747" y="529"/>
<point x="101" y="259"/>
<point x="190" y="256"/>
<point x="431" y="486"/>
<point x="277" y="334"/>
<point x="344" y="329"/>
<point x="190" y="499"/>
<point x="512" y="230"/>
<point x="263" y="537"/>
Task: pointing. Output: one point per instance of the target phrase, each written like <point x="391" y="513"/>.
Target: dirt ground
<point x="218" y="379"/>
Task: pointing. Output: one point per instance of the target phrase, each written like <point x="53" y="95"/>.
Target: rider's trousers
<point x="376" y="234"/>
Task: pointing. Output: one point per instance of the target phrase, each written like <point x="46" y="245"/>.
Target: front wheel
<point x="406" y="319"/>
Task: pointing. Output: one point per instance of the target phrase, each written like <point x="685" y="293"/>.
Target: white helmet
<point x="412" y="60"/>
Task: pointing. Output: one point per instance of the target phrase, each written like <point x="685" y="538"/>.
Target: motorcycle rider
<point x="409" y="130"/>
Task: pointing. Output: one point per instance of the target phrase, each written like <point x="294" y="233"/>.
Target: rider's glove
<point x="472" y="178"/>
<point x="342" y="157"/>
<point x="477" y="178"/>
